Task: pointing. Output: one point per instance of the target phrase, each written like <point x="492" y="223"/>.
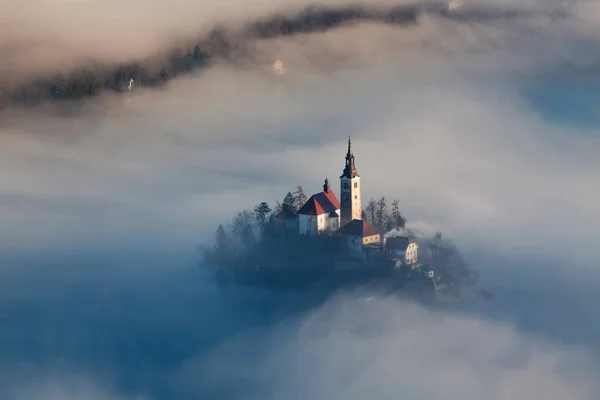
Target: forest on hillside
<point x="222" y="42"/>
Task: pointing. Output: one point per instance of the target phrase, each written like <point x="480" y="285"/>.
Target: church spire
<point x="350" y="202"/>
<point x="349" y="154"/>
<point x="350" y="168"/>
<point x="326" y="186"/>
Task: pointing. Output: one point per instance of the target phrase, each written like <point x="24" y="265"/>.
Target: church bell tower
<point x="351" y="207"/>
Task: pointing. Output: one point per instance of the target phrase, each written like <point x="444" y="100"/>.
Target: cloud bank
<point x="103" y="203"/>
<point x="385" y="349"/>
<point x="93" y="60"/>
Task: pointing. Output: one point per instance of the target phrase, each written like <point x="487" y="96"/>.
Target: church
<point x="323" y="213"/>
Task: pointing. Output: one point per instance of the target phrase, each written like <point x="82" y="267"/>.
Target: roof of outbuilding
<point x="358" y="227"/>
<point x="397" y="243"/>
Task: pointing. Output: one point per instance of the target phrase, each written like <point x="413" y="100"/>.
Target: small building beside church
<point x="402" y="249"/>
<point x="412" y="253"/>
<point x="359" y="233"/>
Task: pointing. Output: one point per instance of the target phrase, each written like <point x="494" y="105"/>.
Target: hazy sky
<point x="487" y="130"/>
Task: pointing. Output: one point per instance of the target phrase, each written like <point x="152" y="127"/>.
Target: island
<point x="322" y="241"/>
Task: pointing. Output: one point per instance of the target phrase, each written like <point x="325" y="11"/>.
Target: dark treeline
<point x="223" y="43"/>
<point x="250" y="227"/>
<point x="258" y="248"/>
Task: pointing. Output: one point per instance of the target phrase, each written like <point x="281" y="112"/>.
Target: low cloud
<point x="152" y="46"/>
<point x="103" y="204"/>
<point x="383" y="349"/>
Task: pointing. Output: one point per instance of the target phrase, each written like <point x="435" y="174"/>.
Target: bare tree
<point x="397" y="220"/>
<point x="278" y="208"/>
<point x="381" y="213"/>
<point x="300" y="197"/>
<point x="371" y="211"/>
<point x="243" y="224"/>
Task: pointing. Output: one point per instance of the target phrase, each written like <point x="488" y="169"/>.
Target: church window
<point x="355" y="184"/>
<point x="345" y="185"/>
<point x="355" y="196"/>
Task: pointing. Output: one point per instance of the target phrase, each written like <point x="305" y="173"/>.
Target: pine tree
<point x="164" y="75"/>
<point x="199" y="55"/>
<point x="289" y="203"/>
<point x="222" y="246"/>
<point x="261" y="213"/>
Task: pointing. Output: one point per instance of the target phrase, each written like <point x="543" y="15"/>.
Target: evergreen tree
<point x="199" y="55"/>
<point x="120" y="80"/>
<point x="261" y="213"/>
<point x="222" y="246"/>
<point x="300" y="197"/>
<point x="164" y="75"/>
<point x="289" y="203"/>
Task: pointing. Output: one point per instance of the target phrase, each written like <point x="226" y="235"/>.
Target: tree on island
<point x="222" y="241"/>
<point x="243" y="228"/>
<point x="300" y="197"/>
<point x="261" y="214"/>
<point x="379" y="214"/>
<point x="398" y="221"/>
<point x="289" y="203"/>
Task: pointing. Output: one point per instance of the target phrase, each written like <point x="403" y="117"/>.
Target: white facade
<point x="333" y="222"/>
<point x="411" y="253"/>
<point x="316" y="224"/>
<point x="372" y="240"/>
<point x="350" y="199"/>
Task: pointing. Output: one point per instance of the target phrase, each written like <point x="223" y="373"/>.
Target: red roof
<point x="320" y="203"/>
<point x="358" y="227"/>
<point x="331" y="197"/>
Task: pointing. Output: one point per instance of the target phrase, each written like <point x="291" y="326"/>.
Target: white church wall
<point x="356" y="201"/>
<point x="321" y="223"/>
<point x="333" y="223"/>
<point x="312" y="224"/>
<point x="304" y="224"/>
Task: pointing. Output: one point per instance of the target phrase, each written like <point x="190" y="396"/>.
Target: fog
<point x="485" y="130"/>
